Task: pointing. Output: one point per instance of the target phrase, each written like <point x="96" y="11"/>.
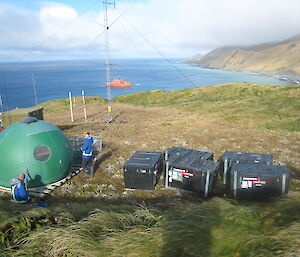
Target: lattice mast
<point x="107" y="60"/>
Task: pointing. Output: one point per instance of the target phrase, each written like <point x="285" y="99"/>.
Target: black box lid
<point x="143" y="159"/>
<point x="259" y="170"/>
<point x="181" y="157"/>
<point x="242" y="157"/>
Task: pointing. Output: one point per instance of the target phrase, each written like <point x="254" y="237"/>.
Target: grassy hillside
<point x="98" y="217"/>
<point x="55" y="106"/>
<point x="62" y="104"/>
<point x="275" y="57"/>
<point x="275" y="107"/>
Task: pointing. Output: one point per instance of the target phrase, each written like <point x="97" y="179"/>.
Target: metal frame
<point x="283" y="183"/>
<point x="77" y="142"/>
<point x="166" y="169"/>
<point x="206" y="192"/>
<point x="225" y="171"/>
<point x="10" y="118"/>
<point x="235" y="184"/>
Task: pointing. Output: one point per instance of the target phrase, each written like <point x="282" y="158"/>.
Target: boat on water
<point x="119" y="83"/>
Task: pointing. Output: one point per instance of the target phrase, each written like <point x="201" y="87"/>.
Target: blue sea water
<point x="56" y="78"/>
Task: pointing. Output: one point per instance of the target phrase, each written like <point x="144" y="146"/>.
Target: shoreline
<point x="291" y="79"/>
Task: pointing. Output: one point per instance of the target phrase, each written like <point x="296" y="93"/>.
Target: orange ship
<point x="119" y="83"/>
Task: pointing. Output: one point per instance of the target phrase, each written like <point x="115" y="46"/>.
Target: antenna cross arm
<point x="112" y="2"/>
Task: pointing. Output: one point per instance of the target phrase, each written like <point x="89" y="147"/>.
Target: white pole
<point x="83" y="103"/>
<point x="33" y="83"/>
<point x="71" y="107"/>
<point x="1" y="103"/>
<point x="166" y="169"/>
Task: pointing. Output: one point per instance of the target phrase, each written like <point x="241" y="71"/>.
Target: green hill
<point x="282" y="57"/>
<point x="275" y="107"/>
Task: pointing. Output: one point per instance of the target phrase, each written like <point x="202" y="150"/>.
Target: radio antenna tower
<point x="107" y="59"/>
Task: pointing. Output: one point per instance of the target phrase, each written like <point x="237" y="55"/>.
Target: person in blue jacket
<point x="19" y="192"/>
<point x="87" y="153"/>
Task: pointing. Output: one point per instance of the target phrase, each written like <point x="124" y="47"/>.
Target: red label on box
<point x="188" y="174"/>
<point x="259" y="182"/>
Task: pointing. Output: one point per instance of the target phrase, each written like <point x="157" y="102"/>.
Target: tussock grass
<point x="14" y="229"/>
<point x="285" y="243"/>
<point x="217" y="227"/>
<point x="88" y="236"/>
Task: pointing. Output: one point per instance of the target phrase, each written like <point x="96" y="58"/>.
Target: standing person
<point x="87" y="153"/>
<point x="19" y="192"/>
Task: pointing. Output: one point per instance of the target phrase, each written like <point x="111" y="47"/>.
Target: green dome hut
<point x="36" y="146"/>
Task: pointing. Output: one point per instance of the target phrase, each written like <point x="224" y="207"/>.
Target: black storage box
<point x="230" y="157"/>
<point x="199" y="176"/>
<point x="191" y="170"/>
<point x="143" y="169"/>
<point x="250" y="181"/>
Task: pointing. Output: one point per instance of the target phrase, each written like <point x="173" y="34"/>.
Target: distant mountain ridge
<point x="280" y="57"/>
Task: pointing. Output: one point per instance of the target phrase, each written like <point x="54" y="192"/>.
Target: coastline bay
<point x="54" y="79"/>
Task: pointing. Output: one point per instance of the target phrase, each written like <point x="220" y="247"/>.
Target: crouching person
<point x="19" y="190"/>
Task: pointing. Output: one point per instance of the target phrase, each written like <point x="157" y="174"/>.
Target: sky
<point x="34" y="30"/>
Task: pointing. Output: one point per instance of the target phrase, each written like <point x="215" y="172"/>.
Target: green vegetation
<point x="98" y="217"/>
<point x="271" y="107"/>
<point x="53" y="106"/>
<point x="175" y="227"/>
<point x="63" y="104"/>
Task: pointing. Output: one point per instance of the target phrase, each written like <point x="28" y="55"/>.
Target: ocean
<point x="54" y="79"/>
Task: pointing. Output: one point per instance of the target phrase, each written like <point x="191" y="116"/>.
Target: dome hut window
<point x="42" y="153"/>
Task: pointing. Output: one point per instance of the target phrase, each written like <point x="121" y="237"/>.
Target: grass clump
<point x="14" y="230"/>
<point x="217" y="227"/>
<point x="184" y="226"/>
<point x="90" y="236"/>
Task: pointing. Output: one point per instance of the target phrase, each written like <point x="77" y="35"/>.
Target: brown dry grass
<point x="156" y="129"/>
